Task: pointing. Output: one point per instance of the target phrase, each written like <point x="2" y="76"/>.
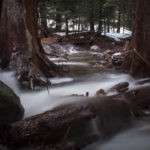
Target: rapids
<point x="135" y="138"/>
<point x="82" y="78"/>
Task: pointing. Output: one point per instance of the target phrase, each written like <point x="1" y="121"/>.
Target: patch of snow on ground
<point x="117" y="36"/>
<point x="116" y="54"/>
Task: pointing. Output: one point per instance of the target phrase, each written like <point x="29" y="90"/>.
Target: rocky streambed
<point x="68" y="117"/>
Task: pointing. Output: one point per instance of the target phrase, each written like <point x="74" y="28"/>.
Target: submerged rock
<point x="11" y="109"/>
<point x="100" y="92"/>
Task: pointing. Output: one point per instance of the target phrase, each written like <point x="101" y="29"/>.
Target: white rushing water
<point x="137" y="137"/>
<point x="38" y="102"/>
<point x="80" y="82"/>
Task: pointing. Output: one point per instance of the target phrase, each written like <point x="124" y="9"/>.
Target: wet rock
<point x="95" y="48"/>
<point x="117" y="59"/>
<point x="120" y="87"/>
<point x="108" y="51"/>
<point x="100" y="92"/>
<point x="11" y="109"/>
<point x="98" y="65"/>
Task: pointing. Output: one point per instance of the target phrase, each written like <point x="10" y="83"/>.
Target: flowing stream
<point x="82" y="78"/>
<point x="137" y="137"/>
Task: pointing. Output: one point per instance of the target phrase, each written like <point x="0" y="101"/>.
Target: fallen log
<point x="69" y="123"/>
<point x="76" y="123"/>
<point x="141" y="82"/>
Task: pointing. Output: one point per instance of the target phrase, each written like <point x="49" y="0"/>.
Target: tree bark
<point x="139" y="64"/>
<point x="58" y="22"/>
<point x="119" y="21"/>
<point x="0" y="8"/>
<point x="43" y="20"/>
<point x="67" y="26"/>
<point x="51" y="127"/>
<point x="100" y="23"/>
<point x="19" y="40"/>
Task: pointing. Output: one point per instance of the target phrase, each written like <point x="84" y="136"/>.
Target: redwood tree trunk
<point x="18" y="38"/>
<point x="138" y="64"/>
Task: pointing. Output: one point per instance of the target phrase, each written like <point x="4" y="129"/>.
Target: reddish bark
<point x="140" y="41"/>
<point x="18" y="36"/>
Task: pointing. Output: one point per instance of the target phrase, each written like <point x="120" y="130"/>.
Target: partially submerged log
<point x="147" y="80"/>
<point x="69" y="123"/>
<point x="139" y="97"/>
<point x="50" y="127"/>
<point x="76" y="123"/>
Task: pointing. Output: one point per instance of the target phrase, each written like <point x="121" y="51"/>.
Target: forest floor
<point x="86" y="40"/>
<point x="109" y="50"/>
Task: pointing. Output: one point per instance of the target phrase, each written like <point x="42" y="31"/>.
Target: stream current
<point x="83" y="78"/>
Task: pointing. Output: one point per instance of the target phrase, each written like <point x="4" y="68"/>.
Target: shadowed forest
<point x="74" y="74"/>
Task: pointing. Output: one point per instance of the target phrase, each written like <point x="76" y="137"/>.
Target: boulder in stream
<point x="11" y="109"/>
<point x="120" y="87"/>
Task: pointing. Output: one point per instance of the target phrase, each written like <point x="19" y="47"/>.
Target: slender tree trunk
<point x="119" y="21"/>
<point x="58" y="22"/>
<point x="108" y="25"/>
<point x="139" y="62"/>
<point x="79" y="23"/>
<point x="18" y="40"/>
<point x="43" y="21"/>
<point x="91" y="26"/>
<point x="100" y="23"/>
<point x="44" y="27"/>
<point x="66" y="21"/>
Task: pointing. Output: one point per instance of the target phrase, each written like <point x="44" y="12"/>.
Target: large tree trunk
<point x="18" y="38"/>
<point x="138" y="62"/>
